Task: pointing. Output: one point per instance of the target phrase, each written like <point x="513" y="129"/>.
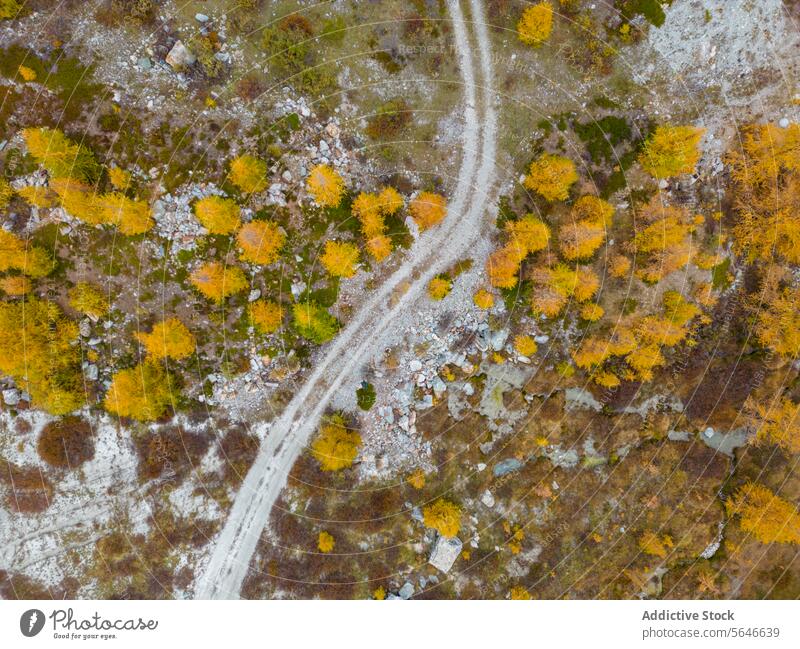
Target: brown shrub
<point x="28" y="490"/>
<point x="66" y="443"/>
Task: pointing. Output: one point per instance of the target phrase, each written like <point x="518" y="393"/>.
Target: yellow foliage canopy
<point x="525" y="345"/>
<point x="336" y="447"/>
<point x="536" y="23"/>
<point x="325" y="542"/>
<point x="428" y="209"/>
<point x="62" y="157"/>
<point x="88" y="299"/>
<point x="37" y="350"/>
<point x="439" y="288"/>
<point x="170" y="338"/>
<point x="216" y="281"/>
<point x="16" y="254"/>
<point x="261" y="242"/>
<point x="768" y="517"/>
<point x="132" y="217"/>
<point x="590" y="219"/>
<point x="325" y="186"/>
<point x="142" y="392"/>
<point x="483" y="299"/>
<point x="671" y="150"/>
<point x="551" y="177"/>
<point x="444" y="516"/>
<point x="777" y="423"/>
<point x="16" y="285"/>
<point x="249" y="174"/>
<point x="766" y="175"/>
<point x="218" y="215"/>
<point x="340" y="258"/>
<point x="529" y="234"/>
<point x="266" y="316"/>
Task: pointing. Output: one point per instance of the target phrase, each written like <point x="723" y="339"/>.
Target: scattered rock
<point x="487" y="499"/>
<point x="11" y="397"/>
<point x="505" y="467"/>
<point x="201" y="18"/>
<point x="180" y="57"/>
<point x="445" y="553"/>
<point x="406" y="591"/>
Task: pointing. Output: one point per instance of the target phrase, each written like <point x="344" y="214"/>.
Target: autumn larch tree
<point x="88" y="300"/>
<point x="439" y="287"/>
<point x="444" y="516"/>
<point x="218" y="215"/>
<point x="131" y="216"/>
<point x="326" y="186"/>
<point x="777" y="422"/>
<point x="336" y="446"/>
<point x="551" y="176"/>
<point x="260" y="242"/>
<point x="340" y="258"/>
<point x="589" y="221"/>
<point x="768" y="517"/>
<point x="143" y="392"/>
<point x="169" y="339"/>
<point x="62" y="157"/>
<point x="671" y="150"/>
<point x="217" y="281"/>
<point x="266" y="316"/>
<point x="325" y="542"/>
<point x="428" y="209"/>
<point x="16" y="254"/>
<point x="766" y="193"/>
<point x="38" y="350"/>
<point x="249" y="174"/>
<point x="536" y="23"/>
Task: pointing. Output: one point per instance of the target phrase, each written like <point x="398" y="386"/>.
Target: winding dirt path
<point x="432" y="253"/>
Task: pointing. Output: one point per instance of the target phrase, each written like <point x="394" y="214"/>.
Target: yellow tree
<point x="340" y="258"/>
<point x="536" y="23"/>
<point x="776" y="423"/>
<point x="325" y="542"/>
<point x="336" y="446"/>
<point x="38" y="350"/>
<point x="428" y="209"/>
<point x="439" y="288"/>
<point x="590" y="219"/>
<point x="529" y="234"/>
<point x="551" y="177"/>
<point x="218" y="215"/>
<point x="217" y="281"/>
<point x="16" y="285"/>
<point x="260" y="242"/>
<point x="503" y="266"/>
<point x="79" y="200"/>
<point x="169" y="339"/>
<point x="483" y="299"/>
<point x="142" y="392"/>
<point x="671" y="150"/>
<point x="266" y="316"/>
<point x="325" y="185"/>
<point x="131" y="217"/>
<point x="768" y="517"/>
<point x="766" y="191"/>
<point x="5" y="193"/>
<point x="444" y="516"/>
<point x="249" y="174"/>
<point x="16" y="254"/>
<point x="88" y="299"/>
<point x="62" y="157"/>
<point x="525" y="345"/>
